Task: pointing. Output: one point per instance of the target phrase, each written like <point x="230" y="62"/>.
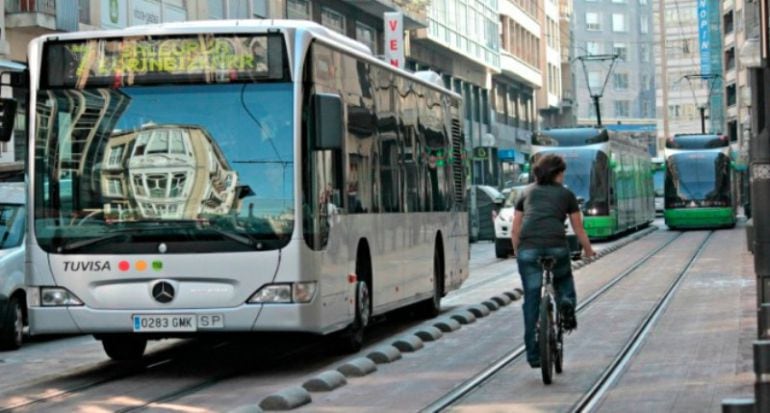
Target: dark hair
<point x="547" y="168"/>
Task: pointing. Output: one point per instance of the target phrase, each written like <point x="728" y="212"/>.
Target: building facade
<point x="691" y="73"/>
<point x="622" y="28"/>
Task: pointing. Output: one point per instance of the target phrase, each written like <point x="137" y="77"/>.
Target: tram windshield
<point x="195" y="167"/>
<point x="699" y="179"/>
<point x="587" y="177"/>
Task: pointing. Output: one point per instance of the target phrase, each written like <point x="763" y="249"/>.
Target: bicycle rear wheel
<point x="545" y="338"/>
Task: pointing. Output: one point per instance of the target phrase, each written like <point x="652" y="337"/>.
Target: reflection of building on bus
<point x="164" y="171"/>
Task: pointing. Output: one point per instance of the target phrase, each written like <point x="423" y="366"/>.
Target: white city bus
<point x="236" y="176"/>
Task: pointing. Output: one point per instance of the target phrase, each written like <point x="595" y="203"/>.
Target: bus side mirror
<point x="327" y="111"/>
<point x="7" y="117"/>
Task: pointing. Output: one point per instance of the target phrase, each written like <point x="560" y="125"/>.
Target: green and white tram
<point x="698" y="188"/>
<point x="608" y="172"/>
<point x="236" y="176"/>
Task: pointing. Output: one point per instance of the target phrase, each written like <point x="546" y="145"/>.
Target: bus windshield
<point x="200" y="167"/>
<point x="697" y="176"/>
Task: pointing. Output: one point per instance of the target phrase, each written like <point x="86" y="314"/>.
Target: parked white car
<point x="504" y="222"/>
<point x="13" y="300"/>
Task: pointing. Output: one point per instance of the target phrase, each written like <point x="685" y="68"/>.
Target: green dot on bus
<point x="157" y="265"/>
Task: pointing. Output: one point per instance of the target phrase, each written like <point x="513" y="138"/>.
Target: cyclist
<point x="538" y="230"/>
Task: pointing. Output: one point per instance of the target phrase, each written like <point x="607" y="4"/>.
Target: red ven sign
<point x="394" y="38"/>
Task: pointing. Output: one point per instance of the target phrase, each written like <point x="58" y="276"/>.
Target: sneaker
<point x="568" y="320"/>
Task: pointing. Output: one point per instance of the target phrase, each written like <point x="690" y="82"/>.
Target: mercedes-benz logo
<point x="163" y="292"/>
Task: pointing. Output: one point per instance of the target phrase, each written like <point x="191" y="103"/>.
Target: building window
<point x="237" y="9"/>
<point x="216" y="9"/>
<point x="592" y="21"/>
<point x="84" y="6"/>
<point x="618" y="1"/>
<point x="645" y="109"/>
<point x="593" y="48"/>
<point x="728" y="22"/>
<point x="365" y="35"/>
<point x="333" y="20"/>
<point x="730" y="58"/>
<point x="114" y="187"/>
<point x="298" y="9"/>
<point x="686" y="46"/>
<point x="730" y="94"/>
<point x="644" y="24"/>
<point x="259" y="8"/>
<point x="618" y="22"/>
<point x="620" y="81"/>
<point x="622" y="109"/>
<point x="621" y="50"/>
<point x="644" y="52"/>
<point x="116" y="156"/>
<point x="645" y="83"/>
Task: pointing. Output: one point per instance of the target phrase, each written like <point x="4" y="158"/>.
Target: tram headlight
<point x="58" y="297"/>
<point x="272" y="293"/>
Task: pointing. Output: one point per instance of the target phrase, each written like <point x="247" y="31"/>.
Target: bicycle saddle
<point x="547" y="262"/>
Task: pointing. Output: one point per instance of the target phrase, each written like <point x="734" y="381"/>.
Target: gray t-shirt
<point x="545" y="209"/>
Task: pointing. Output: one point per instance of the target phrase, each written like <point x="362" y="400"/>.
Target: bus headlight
<point x="273" y="293"/>
<point x="303" y="292"/>
<point x="58" y="297"/>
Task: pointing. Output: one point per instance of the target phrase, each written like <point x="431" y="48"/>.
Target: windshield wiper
<point x="244" y="239"/>
<point x="76" y="245"/>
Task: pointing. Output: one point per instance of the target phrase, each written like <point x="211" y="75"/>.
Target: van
<point x="13" y="300"/>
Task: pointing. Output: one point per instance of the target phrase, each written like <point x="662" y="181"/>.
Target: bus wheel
<point x="124" y="347"/>
<point x="12" y="331"/>
<point x="352" y="338"/>
<point x="432" y="307"/>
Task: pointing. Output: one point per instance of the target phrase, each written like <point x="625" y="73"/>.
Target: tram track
<point x="480" y="379"/>
<point x="610" y="375"/>
<point x="171" y="360"/>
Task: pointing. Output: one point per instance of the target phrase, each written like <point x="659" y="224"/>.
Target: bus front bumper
<point x="244" y="318"/>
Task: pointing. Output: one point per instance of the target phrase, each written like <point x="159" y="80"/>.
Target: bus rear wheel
<point x="122" y="347"/>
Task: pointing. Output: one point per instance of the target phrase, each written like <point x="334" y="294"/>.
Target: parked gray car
<point x="13" y="308"/>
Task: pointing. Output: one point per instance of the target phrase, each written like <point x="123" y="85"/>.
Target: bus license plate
<point x="147" y="323"/>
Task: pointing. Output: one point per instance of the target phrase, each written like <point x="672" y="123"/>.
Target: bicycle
<point x="549" y="328"/>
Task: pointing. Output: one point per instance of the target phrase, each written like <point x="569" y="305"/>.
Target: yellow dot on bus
<point x="141" y="265"/>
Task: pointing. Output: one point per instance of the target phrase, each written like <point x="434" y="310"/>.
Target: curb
<point x="491" y="304"/>
<point x="479" y="310"/>
<point x="464" y="317"/>
<point x="429" y="333"/>
<point x="358" y="367"/>
<point x="247" y="409"/>
<point x="384" y="354"/>
<point x="447" y="324"/>
<point x="408" y="343"/>
<point x="286" y="399"/>
<point x="326" y="381"/>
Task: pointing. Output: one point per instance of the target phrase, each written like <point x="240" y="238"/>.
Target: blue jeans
<point x="532" y="279"/>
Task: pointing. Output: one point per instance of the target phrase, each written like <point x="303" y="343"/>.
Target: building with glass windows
<point x="622" y="28"/>
<point x="693" y="40"/>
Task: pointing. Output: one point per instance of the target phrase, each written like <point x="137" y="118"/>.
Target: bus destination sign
<point x="206" y="58"/>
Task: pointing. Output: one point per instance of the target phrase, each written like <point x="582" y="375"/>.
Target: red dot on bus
<point x="124" y="266"/>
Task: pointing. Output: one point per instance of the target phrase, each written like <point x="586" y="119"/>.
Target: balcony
<point x="42" y="16"/>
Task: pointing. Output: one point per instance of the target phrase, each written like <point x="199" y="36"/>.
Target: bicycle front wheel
<point x="545" y="338"/>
